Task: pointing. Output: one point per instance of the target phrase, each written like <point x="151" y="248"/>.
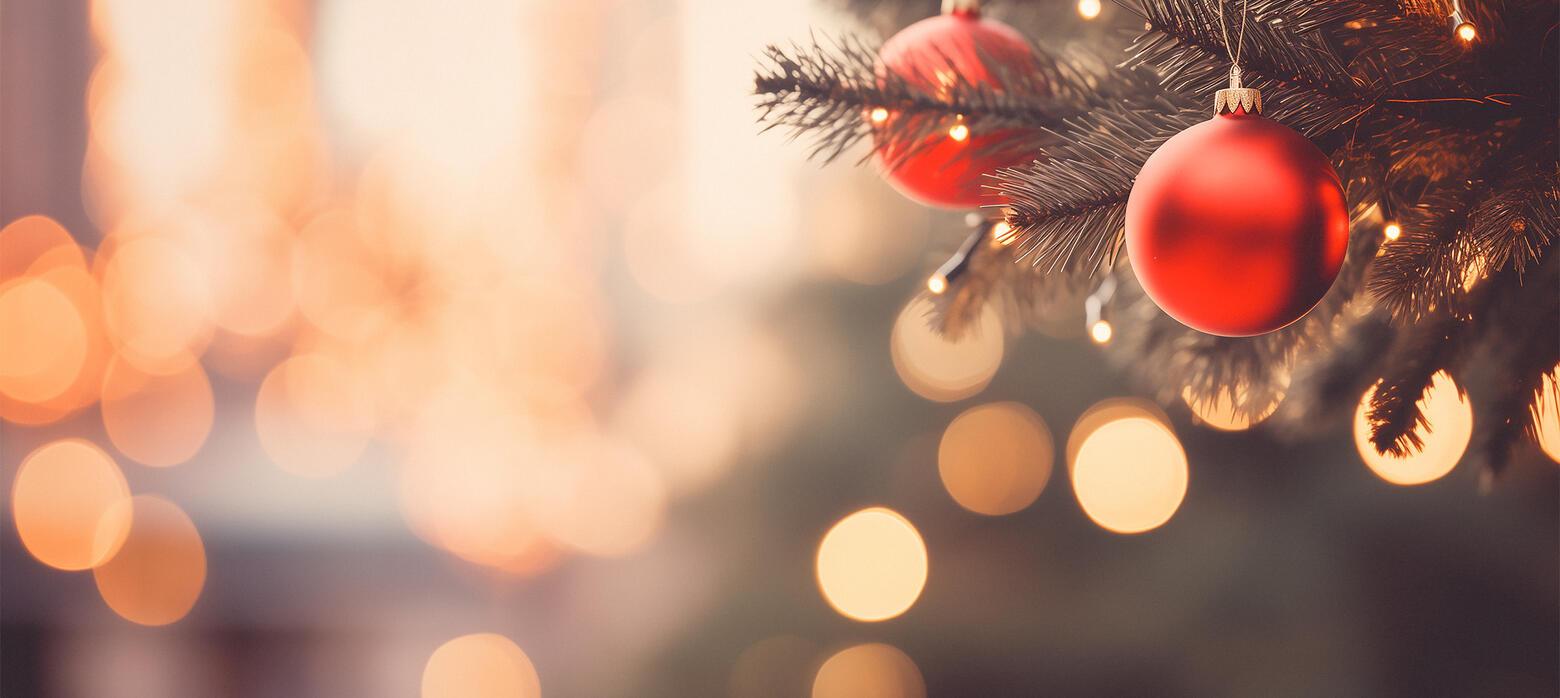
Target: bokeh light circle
<point x="157" y="419"/>
<point x="1105" y="412"/>
<point x="872" y="565"/>
<point x="1220" y="412"/>
<point x="33" y="244"/>
<point x="1450" y="420"/>
<point x="156" y="303"/>
<point x="45" y="345"/>
<point x="480" y="665"/>
<point x="65" y="502"/>
<point x="159" y="571"/>
<point x="312" y="416"/>
<point x="1130" y="475"/>
<point x="996" y="458"/>
<point x="940" y="369"/>
<point x="872" y="670"/>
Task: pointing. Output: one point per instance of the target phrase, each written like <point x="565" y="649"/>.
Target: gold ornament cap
<point x="961" y="7"/>
<point x="1248" y="99"/>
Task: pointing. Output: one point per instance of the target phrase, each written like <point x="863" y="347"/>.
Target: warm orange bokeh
<point x="1220" y="413"/>
<point x="1104" y="412"/>
<point x="66" y="502"/>
<point x="481" y="665"/>
<point x="995" y="459"/>
<point x="872" y="670"/>
<point x="1444" y="438"/>
<point x="313" y="416"/>
<point x="156" y="303"/>
<point x="872" y="565"/>
<point x="157" y="419"/>
<point x="45" y="343"/>
<point x="937" y="368"/>
<point x="1547" y="420"/>
<point x="1130" y="474"/>
<point x="159" y="572"/>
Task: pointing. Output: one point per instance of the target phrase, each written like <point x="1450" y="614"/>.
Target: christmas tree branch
<point x="1520" y="346"/>
<point x="1430" y="263"/>
<point x="1067" y="209"/>
<point x="982" y="274"/>
<point x="829" y="91"/>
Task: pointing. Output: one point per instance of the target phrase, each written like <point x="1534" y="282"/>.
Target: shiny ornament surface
<point x="942" y="170"/>
<point x="1237" y="226"/>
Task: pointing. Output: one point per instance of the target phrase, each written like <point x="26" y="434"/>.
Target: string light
<point x="1094" y="311"/>
<point x="1100" y="332"/>
<point x="937" y="284"/>
<point x="959" y="132"/>
<point x="1461" y="27"/>
<point x="1392" y="231"/>
<point x="1088" y="9"/>
<point x="879" y="115"/>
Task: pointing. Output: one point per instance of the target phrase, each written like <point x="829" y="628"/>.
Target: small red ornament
<point x="1237" y="226"/>
<point x="943" y="170"/>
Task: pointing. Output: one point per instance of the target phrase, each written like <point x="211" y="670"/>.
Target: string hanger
<point x="1240" y="40"/>
<point x="1237" y="96"/>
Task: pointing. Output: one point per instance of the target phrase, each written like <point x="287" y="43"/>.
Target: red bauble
<point x="943" y="170"/>
<point x="1237" y="226"/>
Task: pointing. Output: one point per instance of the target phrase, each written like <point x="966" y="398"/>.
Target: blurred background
<point x="396" y="348"/>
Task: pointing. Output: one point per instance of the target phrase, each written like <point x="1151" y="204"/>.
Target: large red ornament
<point x="943" y="170"/>
<point x="1237" y="226"/>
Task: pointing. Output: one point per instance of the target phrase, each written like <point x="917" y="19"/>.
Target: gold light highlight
<point x="873" y="670"/>
<point x="159" y="571"/>
<point x="959" y="133"/>
<point x="937" y="368"/>
<point x="995" y="459"/>
<point x="1130" y="475"/>
<point x="65" y="502"/>
<point x="480" y="665"/>
<point x="1450" y="426"/>
<point x="878" y="115"/>
<point x="872" y="565"/>
<point x="1088" y="9"/>
<point x="1392" y="231"/>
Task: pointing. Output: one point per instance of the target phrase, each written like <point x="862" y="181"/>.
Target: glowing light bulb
<point x="871" y="565"/>
<point x="1392" y="231"/>
<point x="879" y="115"/>
<point x="937" y="284"/>
<point x="1088" y="9"/>
<point x="1467" y="32"/>
<point x="1100" y="332"/>
<point x="959" y="132"/>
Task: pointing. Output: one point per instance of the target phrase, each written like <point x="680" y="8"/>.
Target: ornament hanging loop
<point x="1237" y="95"/>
